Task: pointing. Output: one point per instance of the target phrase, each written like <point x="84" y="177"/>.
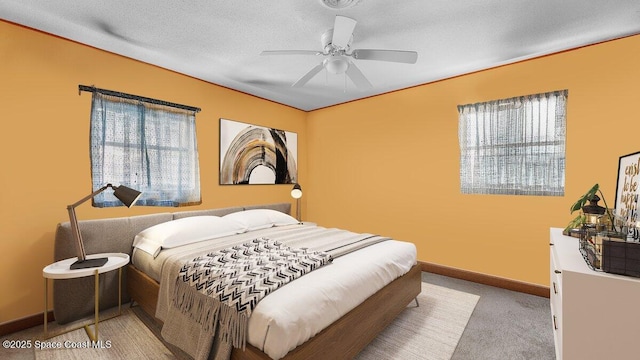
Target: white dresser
<point x="595" y="315"/>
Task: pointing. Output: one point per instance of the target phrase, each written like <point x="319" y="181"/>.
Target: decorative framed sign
<point x="628" y="193"/>
<point x="251" y="154"/>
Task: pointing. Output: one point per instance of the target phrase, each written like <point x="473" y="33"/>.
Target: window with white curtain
<point x="148" y="147"/>
<point x="514" y="146"/>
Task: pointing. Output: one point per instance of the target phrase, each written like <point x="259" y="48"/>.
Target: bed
<point x="344" y="337"/>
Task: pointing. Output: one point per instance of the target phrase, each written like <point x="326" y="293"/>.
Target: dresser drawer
<point x="555" y="300"/>
<point x="556" y="274"/>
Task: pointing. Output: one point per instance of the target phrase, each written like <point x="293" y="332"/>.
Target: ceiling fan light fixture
<point x="338" y="4"/>
<point x="337" y="64"/>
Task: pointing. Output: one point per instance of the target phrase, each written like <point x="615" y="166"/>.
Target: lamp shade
<point x="296" y="192"/>
<point x="127" y="195"/>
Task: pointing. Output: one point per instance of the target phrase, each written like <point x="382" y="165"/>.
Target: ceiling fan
<point x="336" y="50"/>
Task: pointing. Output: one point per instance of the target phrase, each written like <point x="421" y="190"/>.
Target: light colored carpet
<point x="428" y="332"/>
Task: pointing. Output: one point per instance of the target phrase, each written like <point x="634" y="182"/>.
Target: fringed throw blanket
<point x="223" y="287"/>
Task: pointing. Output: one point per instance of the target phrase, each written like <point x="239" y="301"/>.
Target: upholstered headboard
<point x="73" y="298"/>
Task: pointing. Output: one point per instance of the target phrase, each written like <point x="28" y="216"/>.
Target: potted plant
<point x="589" y="196"/>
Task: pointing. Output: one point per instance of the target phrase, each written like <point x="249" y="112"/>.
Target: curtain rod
<point x="94" y="89"/>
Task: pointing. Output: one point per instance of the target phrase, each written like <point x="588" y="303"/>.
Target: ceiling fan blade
<point x="342" y="31"/>
<point x="358" y="77"/>
<point x="303" y="80"/>
<point x="291" y="52"/>
<point x="401" y="56"/>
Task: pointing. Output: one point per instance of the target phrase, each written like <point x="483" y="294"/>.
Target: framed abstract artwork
<point x="628" y="194"/>
<point x="252" y="154"/>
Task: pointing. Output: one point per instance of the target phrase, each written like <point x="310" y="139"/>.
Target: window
<point x="148" y="147"/>
<point x="514" y="146"/>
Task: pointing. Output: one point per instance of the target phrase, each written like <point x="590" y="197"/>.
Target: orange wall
<point x="390" y="164"/>
<point x="387" y="164"/>
<point x="44" y="144"/>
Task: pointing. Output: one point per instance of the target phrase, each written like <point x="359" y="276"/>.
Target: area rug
<point x="122" y="337"/>
<point x="429" y="331"/>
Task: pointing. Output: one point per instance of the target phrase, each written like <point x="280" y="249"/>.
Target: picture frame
<point x="253" y="154"/>
<point x="628" y="194"/>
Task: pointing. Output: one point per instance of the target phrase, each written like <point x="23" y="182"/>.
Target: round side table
<point x="62" y="270"/>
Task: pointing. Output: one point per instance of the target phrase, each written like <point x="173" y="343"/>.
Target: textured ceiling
<point x="221" y="41"/>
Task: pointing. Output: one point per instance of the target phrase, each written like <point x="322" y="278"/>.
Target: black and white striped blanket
<point x="223" y="287"/>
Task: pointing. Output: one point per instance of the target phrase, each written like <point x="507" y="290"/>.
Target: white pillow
<point x="280" y="218"/>
<point x="185" y="231"/>
<point x="256" y="219"/>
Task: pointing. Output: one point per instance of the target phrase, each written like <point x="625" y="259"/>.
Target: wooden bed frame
<point x="343" y="339"/>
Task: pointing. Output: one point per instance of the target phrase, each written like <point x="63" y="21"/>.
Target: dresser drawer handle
<point x="555" y="324"/>
<point x="555" y="289"/>
<point x="557" y="271"/>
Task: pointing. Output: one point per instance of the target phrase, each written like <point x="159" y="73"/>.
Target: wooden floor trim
<point x="24" y="323"/>
<point x="504" y="283"/>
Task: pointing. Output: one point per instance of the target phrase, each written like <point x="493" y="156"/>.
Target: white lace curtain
<point x="150" y="148"/>
<point x="514" y="146"/>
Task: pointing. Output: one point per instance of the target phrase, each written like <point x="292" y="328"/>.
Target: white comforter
<point x="297" y="311"/>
